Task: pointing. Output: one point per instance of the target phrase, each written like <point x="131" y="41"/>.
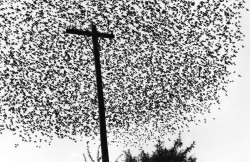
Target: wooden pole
<point x="103" y="132"/>
<point x="102" y="120"/>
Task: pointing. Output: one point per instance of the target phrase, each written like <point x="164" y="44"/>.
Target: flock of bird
<point x="167" y="65"/>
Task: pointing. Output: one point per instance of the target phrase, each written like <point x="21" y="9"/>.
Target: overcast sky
<point x="227" y="138"/>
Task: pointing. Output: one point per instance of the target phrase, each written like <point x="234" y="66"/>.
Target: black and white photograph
<point x="124" y="81"/>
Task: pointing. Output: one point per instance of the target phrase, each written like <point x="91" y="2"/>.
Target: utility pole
<point x="103" y="133"/>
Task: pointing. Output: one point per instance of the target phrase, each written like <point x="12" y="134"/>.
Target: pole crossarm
<point x="78" y="32"/>
<point x="88" y="33"/>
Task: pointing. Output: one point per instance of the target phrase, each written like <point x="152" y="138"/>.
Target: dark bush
<point x="161" y="154"/>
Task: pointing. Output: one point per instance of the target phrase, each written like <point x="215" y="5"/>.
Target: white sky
<point x="227" y="138"/>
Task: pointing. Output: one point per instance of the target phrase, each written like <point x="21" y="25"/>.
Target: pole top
<point x="88" y="33"/>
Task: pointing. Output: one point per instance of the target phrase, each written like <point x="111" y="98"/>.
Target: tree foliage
<point x="161" y="154"/>
<point x="168" y="62"/>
